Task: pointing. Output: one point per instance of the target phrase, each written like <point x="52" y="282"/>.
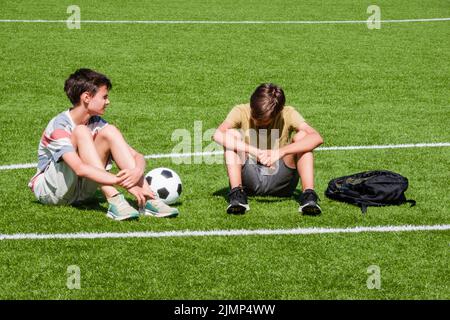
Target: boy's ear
<point x="85" y="97"/>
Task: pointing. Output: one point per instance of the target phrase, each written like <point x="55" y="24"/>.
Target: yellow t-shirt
<point x="275" y="136"/>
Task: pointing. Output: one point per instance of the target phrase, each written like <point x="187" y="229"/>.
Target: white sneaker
<point x="157" y="208"/>
<point x="119" y="209"/>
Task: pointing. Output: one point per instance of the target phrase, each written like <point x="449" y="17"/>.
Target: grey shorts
<point x="58" y="185"/>
<point x="261" y="180"/>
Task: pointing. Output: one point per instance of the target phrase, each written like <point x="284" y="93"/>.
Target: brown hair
<point x="84" y="80"/>
<point x="267" y="101"/>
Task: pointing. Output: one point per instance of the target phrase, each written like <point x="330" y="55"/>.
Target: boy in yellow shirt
<point x="268" y="147"/>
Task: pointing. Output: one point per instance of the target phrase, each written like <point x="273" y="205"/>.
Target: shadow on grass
<point x="263" y="199"/>
<point x="92" y="204"/>
<point x="98" y="204"/>
<point x="133" y="202"/>
<point x="222" y="193"/>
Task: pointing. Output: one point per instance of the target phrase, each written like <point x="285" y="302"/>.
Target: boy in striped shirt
<point x="76" y="150"/>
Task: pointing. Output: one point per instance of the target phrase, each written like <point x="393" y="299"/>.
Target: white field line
<point x="225" y="22"/>
<point x="201" y="154"/>
<point x="208" y="233"/>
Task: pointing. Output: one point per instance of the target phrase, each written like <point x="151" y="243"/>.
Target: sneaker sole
<point x="149" y="213"/>
<point x="238" y="209"/>
<point x="122" y="218"/>
<point x="310" y="209"/>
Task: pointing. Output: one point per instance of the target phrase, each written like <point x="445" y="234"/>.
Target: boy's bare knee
<point x="290" y="161"/>
<point x="109" y="132"/>
<point x="81" y="129"/>
<point x="81" y="132"/>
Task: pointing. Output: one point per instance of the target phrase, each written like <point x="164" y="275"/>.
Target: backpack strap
<point x="412" y="202"/>
<point x="363" y="208"/>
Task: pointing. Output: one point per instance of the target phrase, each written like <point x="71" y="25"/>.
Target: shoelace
<point x="239" y="193"/>
<point x="310" y="196"/>
<point x="123" y="204"/>
<point x="158" y="203"/>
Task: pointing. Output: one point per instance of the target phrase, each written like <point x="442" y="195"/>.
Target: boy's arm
<point x="84" y="170"/>
<point x="226" y="138"/>
<point x="312" y="139"/>
<point x="133" y="177"/>
<point x="309" y="142"/>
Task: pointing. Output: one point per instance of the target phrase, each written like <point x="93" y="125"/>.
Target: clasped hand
<point x="133" y="181"/>
<point x="268" y="157"/>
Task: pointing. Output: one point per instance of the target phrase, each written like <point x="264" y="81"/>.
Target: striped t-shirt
<point x="56" y="138"/>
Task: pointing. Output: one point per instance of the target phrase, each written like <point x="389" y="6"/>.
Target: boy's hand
<point x="264" y="157"/>
<point x="253" y="151"/>
<point x="119" y="180"/>
<point x="131" y="177"/>
<point x="269" y="157"/>
<point x="141" y="194"/>
<point x="149" y="191"/>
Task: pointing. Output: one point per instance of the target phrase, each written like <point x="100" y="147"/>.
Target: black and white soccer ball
<point x="166" y="183"/>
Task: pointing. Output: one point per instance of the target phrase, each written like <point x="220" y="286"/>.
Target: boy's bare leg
<point x="304" y="162"/>
<point x="237" y="199"/>
<point x="89" y="153"/>
<point x="110" y="141"/>
<point x="305" y="167"/>
<point x="234" y="163"/>
<point x="234" y="168"/>
<point x="95" y="152"/>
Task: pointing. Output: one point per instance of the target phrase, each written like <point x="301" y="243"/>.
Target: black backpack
<point x="370" y="188"/>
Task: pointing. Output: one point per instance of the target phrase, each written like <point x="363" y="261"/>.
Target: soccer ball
<point x="166" y="183"/>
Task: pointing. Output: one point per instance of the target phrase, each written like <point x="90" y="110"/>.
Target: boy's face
<point x="98" y="102"/>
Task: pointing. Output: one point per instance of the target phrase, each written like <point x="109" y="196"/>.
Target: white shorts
<point x="59" y="184"/>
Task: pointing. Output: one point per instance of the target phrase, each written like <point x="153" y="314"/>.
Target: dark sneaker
<point x="237" y="199"/>
<point x="308" y="203"/>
